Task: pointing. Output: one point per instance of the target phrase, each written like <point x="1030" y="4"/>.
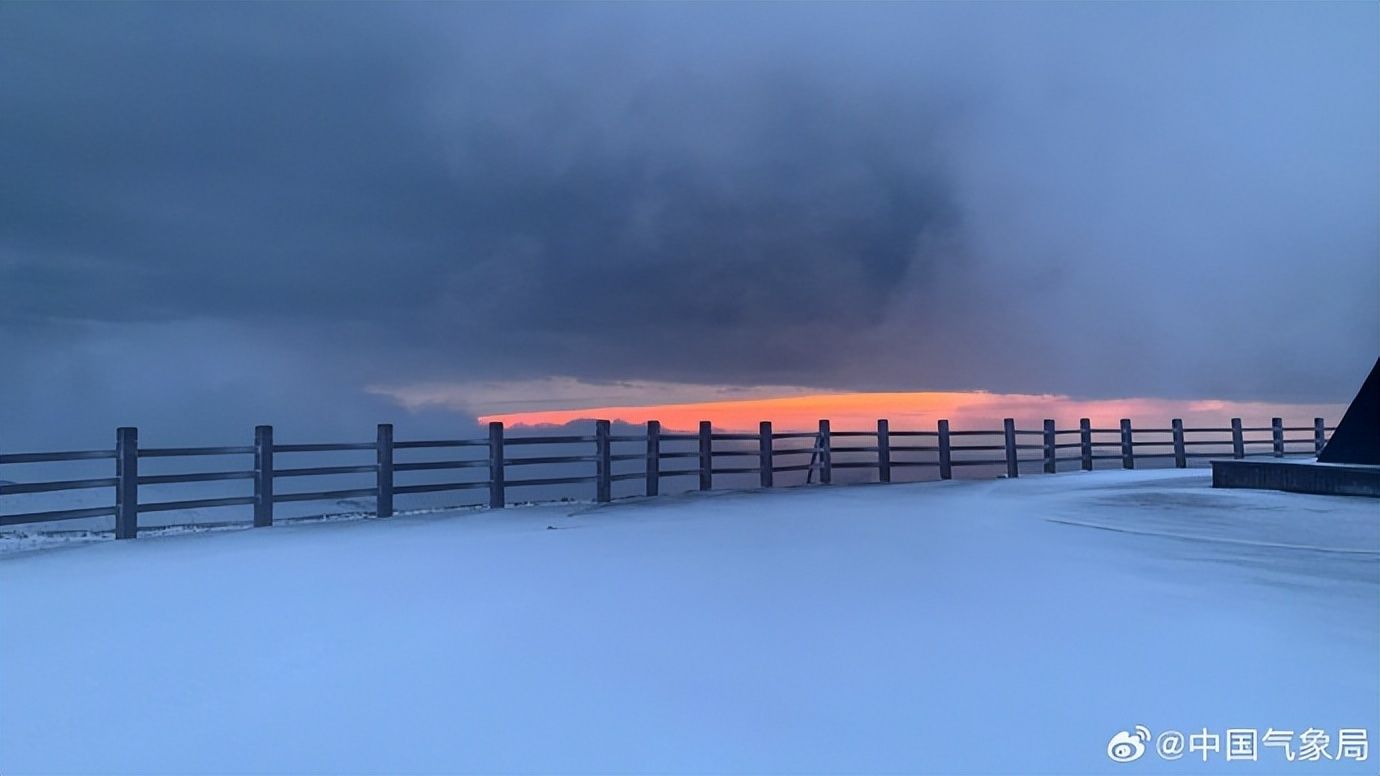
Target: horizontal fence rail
<point x="765" y="454"/>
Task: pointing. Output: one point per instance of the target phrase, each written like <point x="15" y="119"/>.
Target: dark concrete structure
<point x="1357" y="438"/>
<point x="1349" y="464"/>
<point x="1298" y="476"/>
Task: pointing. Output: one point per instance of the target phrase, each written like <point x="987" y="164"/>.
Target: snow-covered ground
<point x="1008" y="626"/>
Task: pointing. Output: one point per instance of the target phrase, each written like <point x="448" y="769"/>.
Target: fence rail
<point x="950" y="448"/>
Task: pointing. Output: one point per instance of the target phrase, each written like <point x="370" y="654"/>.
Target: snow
<point x="952" y="627"/>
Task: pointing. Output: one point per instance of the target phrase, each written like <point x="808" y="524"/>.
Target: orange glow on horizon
<point x="920" y="410"/>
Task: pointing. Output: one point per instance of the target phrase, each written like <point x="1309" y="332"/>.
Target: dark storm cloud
<point x="1105" y="200"/>
<point x="213" y="160"/>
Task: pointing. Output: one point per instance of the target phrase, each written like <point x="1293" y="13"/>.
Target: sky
<point x="311" y="215"/>
<point x="921" y="411"/>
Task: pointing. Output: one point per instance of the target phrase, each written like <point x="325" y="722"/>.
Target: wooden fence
<point x="1084" y="446"/>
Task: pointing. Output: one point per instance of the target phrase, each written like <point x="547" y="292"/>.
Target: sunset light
<point x="916" y="410"/>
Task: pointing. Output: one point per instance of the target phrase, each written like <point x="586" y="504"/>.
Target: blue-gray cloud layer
<point x="272" y="204"/>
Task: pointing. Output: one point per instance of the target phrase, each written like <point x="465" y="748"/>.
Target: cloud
<point x="1107" y="200"/>
<point x="564" y="393"/>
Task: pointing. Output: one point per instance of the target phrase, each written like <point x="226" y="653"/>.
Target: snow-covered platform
<point x="951" y="627"/>
<point x="1305" y="475"/>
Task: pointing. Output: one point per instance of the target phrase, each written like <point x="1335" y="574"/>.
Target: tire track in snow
<point x="1216" y="540"/>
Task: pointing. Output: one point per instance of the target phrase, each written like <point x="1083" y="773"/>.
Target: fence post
<point x="706" y="455"/>
<point x="263" y="476"/>
<point x="653" y="457"/>
<point x="826" y="455"/>
<point x="1008" y="430"/>
<point x="883" y="451"/>
<point x="946" y="466"/>
<point x="603" y="490"/>
<point x="1180" y="454"/>
<point x="384" y="502"/>
<point x="1319" y="435"/>
<point x="764" y="463"/>
<point x="1128" y="448"/>
<point x="496" y="465"/>
<point x="1238" y="445"/>
<point x="1051" y="462"/>
<point x="126" y="482"/>
<point x="1277" y="436"/>
<point x="1085" y="443"/>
